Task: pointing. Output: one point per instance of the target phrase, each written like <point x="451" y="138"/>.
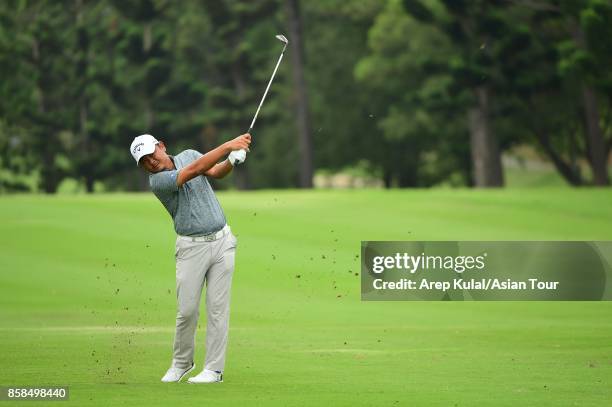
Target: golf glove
<point x="237" y="157"/>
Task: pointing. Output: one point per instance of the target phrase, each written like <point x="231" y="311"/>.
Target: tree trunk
<point x="594" y="139"/>
<point x="49" y="176"/>
<point x="593" y="135"/>
<point x="89" y="184"/>
<point x="407" y="161"/>
<point x="486" y="158"/>
<point x="81" y="68"/>
<point x="147" y="37"/>
<point x="147" y="43"/>
<point x="568" y="171"/>
<point x="303" y="118"/>
<point x="407" y="178"/>
<point x="387" y="178"/>
<point x="241" y="172"/>
<point x="88" y="172"/>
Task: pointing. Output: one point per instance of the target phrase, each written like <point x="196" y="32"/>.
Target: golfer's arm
<point x="202" y="164"/>
<point x="220" y="170"/>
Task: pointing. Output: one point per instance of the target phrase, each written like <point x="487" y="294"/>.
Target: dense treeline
<point x="417" y="92"/>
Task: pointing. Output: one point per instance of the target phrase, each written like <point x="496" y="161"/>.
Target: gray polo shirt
<point x="193" y="206"/>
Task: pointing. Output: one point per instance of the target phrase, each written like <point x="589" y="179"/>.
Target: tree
<point x="49" y="110"/>
<point x="567" y="69"/>
<point x="344" y="111"/>
<point x="588" y="59"/>
<point x="301" y="97"/>
<point x="409" y="77"/>
<point x="473" y="27"/>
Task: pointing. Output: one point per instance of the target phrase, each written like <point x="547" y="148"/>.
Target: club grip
<point x="236" y="163"/>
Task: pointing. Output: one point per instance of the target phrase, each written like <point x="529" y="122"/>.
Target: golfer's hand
<point x="237" y="157"/>
<point x="239" y="147"/>
<point x="240" y="143"/>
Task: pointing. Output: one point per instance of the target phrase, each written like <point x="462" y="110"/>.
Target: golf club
<point x="285" y="41"/>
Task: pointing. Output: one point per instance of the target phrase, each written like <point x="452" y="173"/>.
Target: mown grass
<point x="87" y="300"/>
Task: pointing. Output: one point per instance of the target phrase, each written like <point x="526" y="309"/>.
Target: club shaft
<point x="267" y="88"/>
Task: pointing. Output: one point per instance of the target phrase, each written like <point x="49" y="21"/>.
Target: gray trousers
<point x="199" y="262"/>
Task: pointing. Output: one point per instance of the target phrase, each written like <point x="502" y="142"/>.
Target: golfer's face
<point x="156" y="161"/>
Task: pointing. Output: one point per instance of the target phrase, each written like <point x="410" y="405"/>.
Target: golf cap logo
<point x="137" y="148"/>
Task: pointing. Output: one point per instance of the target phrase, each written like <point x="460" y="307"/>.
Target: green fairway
<point x="88" y="301"/>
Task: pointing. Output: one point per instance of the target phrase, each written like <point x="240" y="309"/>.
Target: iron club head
<point x="283" y="39"/>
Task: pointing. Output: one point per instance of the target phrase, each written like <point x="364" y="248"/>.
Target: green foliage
<point x="409" y="69"/>
<point x="427" y="56"/>
<point x="389" y="84"/>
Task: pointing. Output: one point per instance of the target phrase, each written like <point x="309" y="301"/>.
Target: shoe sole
<point x="218" y="381"/>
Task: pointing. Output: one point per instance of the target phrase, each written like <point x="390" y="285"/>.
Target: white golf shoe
<point x="207" y="376"/>
<point x="175" y="374"/>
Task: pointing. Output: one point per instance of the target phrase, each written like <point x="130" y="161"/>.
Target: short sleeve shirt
<point x="193" y="206"/>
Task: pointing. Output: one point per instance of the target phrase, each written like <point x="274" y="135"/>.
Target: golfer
<point x="205" y="245"/>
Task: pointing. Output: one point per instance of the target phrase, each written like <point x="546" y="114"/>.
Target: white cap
<point x="142" y="145"/>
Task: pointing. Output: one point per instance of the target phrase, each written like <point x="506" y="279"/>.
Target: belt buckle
<point x="209" y="238"/>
